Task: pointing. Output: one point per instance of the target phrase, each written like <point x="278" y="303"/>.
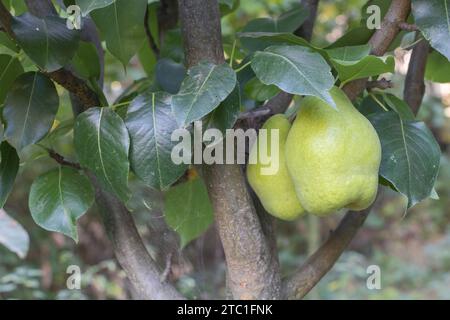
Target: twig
<point x="381" y="84"/>
<point x="414" y="83"/>
<point x="149" y="35"/>
<point x="60" y="159"/>
<point x="407" y="26"/>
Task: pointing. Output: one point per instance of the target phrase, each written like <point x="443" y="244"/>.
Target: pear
<point x="274" y="188"/>
<point x="333" y="156"/>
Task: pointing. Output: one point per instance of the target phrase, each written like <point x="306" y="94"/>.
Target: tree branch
<point x="381" y="40"/>
<point x="306" y="29"/>
<point x="60" y="159"/>
<point x="298" y="285"/>
<point x="148" y="33"/>
<point x="129" y="249"/>
<point x="414" y="83"/>
<point x="253" y="268"/>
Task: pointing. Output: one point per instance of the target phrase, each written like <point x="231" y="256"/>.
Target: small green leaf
<point x="10" y="69"/>
<point x="87" y="6"/>
<point x="296" y="70"/>
<point x="371" y="105"/>
<point x="170" y="75"/>
<point x="59" y="198"/>
<point x="121" y="25"/>
<point x="151" y="123"/>
<point x="188" y="210"/>
<point x="86" y="61"/>
<point x="438" y="68"/>
<point x="354" y="37"/>
<point x="410" y="155"/>
<point x="286" y="23"/>
<point x="13" y="236"/>
<point x="9" y="166"/>
<point x="48" y="42"/>
<point x="30" y="109"/>
<point x="256" y="90"/>
<point x="366" y="67"/>
<point x="433" y="19"/>
<point x="225" y="116"/>
<point x="6" y="41"/>
<point x="206" y="86"/>
<point x="102" y="143"/>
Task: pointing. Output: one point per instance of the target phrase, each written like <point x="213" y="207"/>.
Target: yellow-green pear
<point x="267" y="172"/>
<point x="333" y="156"/>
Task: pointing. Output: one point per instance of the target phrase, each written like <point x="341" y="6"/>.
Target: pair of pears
<point x="328" y="160"/>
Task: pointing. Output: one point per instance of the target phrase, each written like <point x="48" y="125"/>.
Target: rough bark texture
<point x="298" y="285"/>
<point x="252" y="268"/>
<point x="414" y="82"/>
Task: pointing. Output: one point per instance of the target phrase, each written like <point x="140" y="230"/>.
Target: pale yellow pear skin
<point x="333" y="156"/>
<point x="276" y="192"/>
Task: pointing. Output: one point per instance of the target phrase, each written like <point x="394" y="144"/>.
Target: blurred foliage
<point x="412" y="251"/>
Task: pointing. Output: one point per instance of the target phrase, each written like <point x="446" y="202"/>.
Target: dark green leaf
<point x="59" y="198"/>
<point x="48" y="42"/>
<point x="286" y="23"/>
<point x="10" y="69"/>
<point x="30" y="109"/>
<point x="122" y="27"/>
<point x="86" y="62"/>
<point x="206" y="86"/>
<point x="438" y="68"/>
<point x="102" y="144"/>
<point x="87" y="6"/>
<point x="151" y="123"/>
<point x="9" y="166"/>
<point x="188" y="210"/>
<point x="411" y="155"/>
<point x="433" y="19"/>
<point x="170" y="75"/>
<point x="13" y="236"/>
<point x="225" y="116"/>
<point x="228" y="6"/>
<point x="295" y="69"/>
<point x="377" y="102"/>
<point x="6" y="41"/>
<point x="256" y="90"/>
<point x="354" y="37"/>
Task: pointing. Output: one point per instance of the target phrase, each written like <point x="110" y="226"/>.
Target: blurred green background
<point x="412" y="251"/>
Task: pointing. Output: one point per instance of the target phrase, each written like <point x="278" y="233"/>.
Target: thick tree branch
<point x="398" y="12"/>
<point x="321" y="262"/>
<point x="253" y="269"/>
<point x="414" y="83"/>
<point x="129" y="249"/>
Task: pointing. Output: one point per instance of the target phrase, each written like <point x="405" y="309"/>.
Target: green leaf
<point x="274" y="38"/>
<point x="433" y="19"/>
<point x="228" y="6"/>
<point x="122" y="27"/>
<point x="170" y="75"/>
<point x="286" y="23"/>
<point x="6" y="41"/>
<point x="256" y="90"/>
<point x="86" y="61"/>
<point x="225" y="116"/>
<point x="148" y="59"/>
<point x="13" y="236"/>
<point x="438" y="68"/>
<point x="48" y="42"/>
<point x="205" y="87"/>
<point x="296" y="70"/>
<point x="371" y="105"/>
<point x="102" y="143"/>
<point x="410" y="155"/>
<point x="350" y="53"/>
<point x="30" y="109"/>
<point x="151" y="123"/>
<point x="9" y="166"/>
<point x="366" y="67"/>
<point x="188" y="210"/>
<point x="10" y="69"/>
<point x="172" y="46"/>
<point x="59" y="198"/>
<point x="87" y="6"/>
<point x="354" y="37"/>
